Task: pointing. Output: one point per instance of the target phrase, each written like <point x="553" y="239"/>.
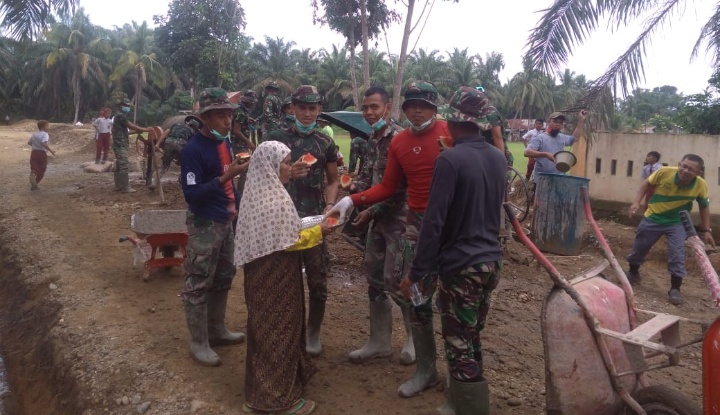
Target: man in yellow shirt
<point x="675" y="190"/>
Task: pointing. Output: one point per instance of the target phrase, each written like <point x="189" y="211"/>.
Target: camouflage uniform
<point x="382" y="256"/>
<point x="242" y="118"/>
<point x="271" y="112"/>
<point x="464" y="302"/>
<point x="286" y="120"/>
<point x="358" y="148"/>
<point x="121" y="146"/>
<point x="179" y="134"/>
<point x="308" y="193"/>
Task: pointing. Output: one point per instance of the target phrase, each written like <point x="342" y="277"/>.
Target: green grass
<point x="342" y="138"/>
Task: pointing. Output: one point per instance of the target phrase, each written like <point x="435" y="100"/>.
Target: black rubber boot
<point x="316" y="313"/>
<point x="125" y="183"/>
<point x="380" y="342"/>
<point x="426" y="375"/>
<point x="197" y="321"/>
<point x="470" y="398"/>
<point x="218" y="334"/>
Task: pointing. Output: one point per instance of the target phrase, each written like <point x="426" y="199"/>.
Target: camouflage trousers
<point x="209" y="265"/>
<point x="121" y="150"/>
<point x="316" y="261"/>
<point x="382" y="260"/>
<point x="171" y="152"/>
<point x="464" y="302"/>
<point x="421" y="315"/>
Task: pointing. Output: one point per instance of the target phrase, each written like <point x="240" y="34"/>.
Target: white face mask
<point x="420" y="127"/>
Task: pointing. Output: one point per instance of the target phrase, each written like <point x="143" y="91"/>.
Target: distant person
<point x="358" y="149"/>
<point x="675" y="189"/>
<point x="288" y="113"/>
<point x="121" y="146"/>
<point x="39" y="141"/>
<point x="340" y="161"/>
<point x="325" y="128"/>
<point x="652" y="164"/>
<point x="7" y="120"/>
<point x="271" y="109"/>
<point x="103" y="129"/>
<point x="539" y="124"/>
<point x="172" y="142"/>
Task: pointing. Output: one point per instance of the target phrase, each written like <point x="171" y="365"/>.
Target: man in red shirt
<point x="412" y="154"/>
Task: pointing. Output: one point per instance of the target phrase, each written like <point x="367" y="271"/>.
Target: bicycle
<point x="517" y="194"/>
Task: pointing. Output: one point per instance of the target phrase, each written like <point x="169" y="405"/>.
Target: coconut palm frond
<point x="564" y="25"/>
<point x="710" y="35"/>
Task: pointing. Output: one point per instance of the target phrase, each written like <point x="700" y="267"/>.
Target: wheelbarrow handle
<point x="687" y="223"/>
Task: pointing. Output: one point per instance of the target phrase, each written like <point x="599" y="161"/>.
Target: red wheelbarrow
<point x="596" y="352"/>
<point x="158" y="230"/>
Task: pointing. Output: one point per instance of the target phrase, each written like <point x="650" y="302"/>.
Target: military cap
<point x="555" y="115"/>
<point x="214" y="99"/>
<point x="468" y="105"/>
<point x="249" y="96"/>
<point x="308" y="94"/>
<point x="125" y="103"/>
<point x="423" y="91"/>
<point x="272" y="85"/>
<point x="286" y="102"/>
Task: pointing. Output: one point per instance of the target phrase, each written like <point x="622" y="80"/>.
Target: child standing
<point x="38" y="157"/>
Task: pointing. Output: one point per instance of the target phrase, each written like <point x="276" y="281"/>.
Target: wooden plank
<point x="638" y="342"/>
<point x="653" y="326"/>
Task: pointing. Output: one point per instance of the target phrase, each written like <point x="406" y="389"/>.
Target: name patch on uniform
<point x="190" y="179"/>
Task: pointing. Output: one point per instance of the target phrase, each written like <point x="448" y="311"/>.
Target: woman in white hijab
<point x="266" y="242"/>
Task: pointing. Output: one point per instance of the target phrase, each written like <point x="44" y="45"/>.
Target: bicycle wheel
<point x="517" y="194"/>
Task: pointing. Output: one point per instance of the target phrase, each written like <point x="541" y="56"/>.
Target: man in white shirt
<point x="103" y="127"/>
<point x="539" y="123"/>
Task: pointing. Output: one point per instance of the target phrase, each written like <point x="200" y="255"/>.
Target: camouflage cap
<point x="308" y="94"/>
<point x="272" y="85"/>
<point x="214" y="99"/>
<point x="423" y="91"/>
<point x="249" y="96"/>
<point x="125" y="103"/>
<point x="286" y="102"/>
<point x="468" y="105"/>
<point x="555" y="115"/>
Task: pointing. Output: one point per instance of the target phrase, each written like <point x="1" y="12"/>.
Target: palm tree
<point x="25" y="19"/>
<point x="272" y="61"/>
<point x="137" y="64"/>
<point x="333" y="78"/>
<point x="568" y="23"/>
<point x="530" y="93"/>
<point x="428" y="66"/>
<point x="463" y="68"/>
<point x="74" y="56"/>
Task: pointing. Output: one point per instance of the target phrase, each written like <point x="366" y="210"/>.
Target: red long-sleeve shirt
<point x="412" y="155"/>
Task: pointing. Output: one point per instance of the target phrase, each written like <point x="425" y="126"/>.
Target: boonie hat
<point x="308" y="94"/>
<point x="272" y="85"/>
<point x="249" y="96"/>
<point x="423" y="91"/>
<point x="555" y="115"/>
<point x="214" y="99"/>
<point x="125" y="103"/>
<point x="468" y="105"/>
<point x="286" y="102"/>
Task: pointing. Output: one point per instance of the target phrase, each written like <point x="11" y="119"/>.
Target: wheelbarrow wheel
<point x="664" y="400"/>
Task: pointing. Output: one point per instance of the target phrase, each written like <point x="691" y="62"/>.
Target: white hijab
<point x="267" y="218"/>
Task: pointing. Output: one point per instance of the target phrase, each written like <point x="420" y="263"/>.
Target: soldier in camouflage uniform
<point x="358" y="148"/>
<point x="240" y="138"/>
<point x="312" y="197"/>
<point x="288" y="113"/>
<point x="121" y="146"/>
<point x="460" y="239"/>
<point x="271" y="109"/>
<point x="172" y="142"/>
<point x="382" y="254"/>
<point x="207" y="172"/>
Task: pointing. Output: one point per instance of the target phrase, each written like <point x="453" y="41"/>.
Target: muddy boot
<point x="380" y="342"/>
<point x="407" y="355"/>
<point x="118" y="181"/>
<point x="125" y="183"/>
<point x="470" y="398"/>
<point x="218" y="334"/>
<point x="448" y="408"/>
<point x="33" y="182"/>
<point x="197" y="321"/>
<point x="153" y="183"/>
<point x="316" y="312"/>
<point x="426" y="375"/>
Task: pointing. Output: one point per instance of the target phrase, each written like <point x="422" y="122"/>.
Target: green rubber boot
<point x="197" y="321"/>
<point x="426" y="375"/>
<point x="316" y="313"/>
<point x="470" y="398"/>
<point x="380" y="342"/>
<point x="218" y="334"/>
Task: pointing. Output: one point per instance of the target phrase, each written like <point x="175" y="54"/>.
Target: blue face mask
<point x="379" y="124"/>
<point x="303" y="129"/>
<point x="219" y="136"/>
<point x="125" y="110"/>
<point x="290" y="118"/>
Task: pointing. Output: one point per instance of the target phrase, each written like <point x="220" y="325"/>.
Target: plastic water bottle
<point x="417" y="296"/>
<point x="310" y="221"/>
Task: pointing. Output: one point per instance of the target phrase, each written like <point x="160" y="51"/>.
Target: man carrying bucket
<point x="545" y="144"/>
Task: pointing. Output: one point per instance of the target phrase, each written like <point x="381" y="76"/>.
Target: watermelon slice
<point x="445" y="142"/>
<point x="309" y="159"/>
<point x="332" y="221"/>
<point x="345" y="181"/>
<point x="242" y="156"/>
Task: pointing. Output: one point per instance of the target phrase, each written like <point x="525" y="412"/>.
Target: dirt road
<point x="83" y="334"/>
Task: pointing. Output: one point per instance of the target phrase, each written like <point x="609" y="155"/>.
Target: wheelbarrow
<point x="596" y="352"/>
<point x="158" y="230"/>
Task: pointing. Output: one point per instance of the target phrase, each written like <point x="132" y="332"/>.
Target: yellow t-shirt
<point x="669" y="199"/>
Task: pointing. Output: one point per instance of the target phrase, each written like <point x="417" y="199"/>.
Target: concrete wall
<point x="621" y="149"/>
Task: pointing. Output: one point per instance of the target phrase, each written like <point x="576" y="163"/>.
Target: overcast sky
<point x="482" y="27"/>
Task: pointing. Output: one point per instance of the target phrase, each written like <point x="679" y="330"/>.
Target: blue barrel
<point x="559" y="218"/>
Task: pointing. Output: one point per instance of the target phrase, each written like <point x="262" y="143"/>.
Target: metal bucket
<point x="559" y="217"/>
<point x="564" y="160"/>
